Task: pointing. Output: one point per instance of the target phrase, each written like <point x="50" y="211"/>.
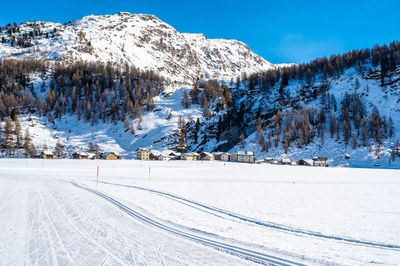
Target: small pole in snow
<point x="97" y="183"/>
<point x="149" y="171"/>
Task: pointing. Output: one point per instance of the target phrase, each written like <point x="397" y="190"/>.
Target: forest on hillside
<point x="96" y="92"/>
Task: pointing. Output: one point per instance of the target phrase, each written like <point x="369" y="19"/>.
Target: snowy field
<point x="196" y="213"/>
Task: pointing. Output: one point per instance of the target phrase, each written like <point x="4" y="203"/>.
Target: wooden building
<point x="80" y="155"/>
<point x="47" y="154"/>
<point x="305" y="162"/>
<point x="110" y="156"/>
<point x="320" y="161"/>
<point x="207" y="156"/>
<point x="225" y="157"/>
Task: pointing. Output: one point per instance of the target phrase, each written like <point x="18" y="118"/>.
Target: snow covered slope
<point x="140" y="40"/>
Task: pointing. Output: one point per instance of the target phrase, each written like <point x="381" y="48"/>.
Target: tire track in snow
<point x="208" y="208"/>
<point x="248" y="254"/>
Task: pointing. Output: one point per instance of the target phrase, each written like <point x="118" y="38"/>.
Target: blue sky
<point x="280" y="31"/>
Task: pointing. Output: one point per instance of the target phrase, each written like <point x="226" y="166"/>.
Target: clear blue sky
<point x="280" y="31"/>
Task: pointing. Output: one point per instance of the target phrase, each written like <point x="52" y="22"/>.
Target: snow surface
<point x="53" y="213"/>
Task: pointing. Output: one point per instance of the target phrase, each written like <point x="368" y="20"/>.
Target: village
<point x="153" y="155"/>
<point x="240" y="156"/>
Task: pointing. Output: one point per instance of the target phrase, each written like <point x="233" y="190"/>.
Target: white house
<point x="207" y="156"/>
<point x="187" y="157"/>
<point x="245" y="156"/>
<point x="225" y="156"/>
<point x="163" y="157"/>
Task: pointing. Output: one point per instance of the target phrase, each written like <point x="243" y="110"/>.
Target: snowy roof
<point x="156" y="153"/>
<point x="245" y="153"/>
<point x="207" y="153"/>
<point x="142" y="149"/>
<point x="286" y="160"/>
<point x="48" y="152"/>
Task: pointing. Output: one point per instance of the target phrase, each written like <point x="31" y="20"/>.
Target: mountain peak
<point x="141" y="40"/>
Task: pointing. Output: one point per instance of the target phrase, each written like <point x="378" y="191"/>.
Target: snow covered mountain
<point x="135" y="39"/>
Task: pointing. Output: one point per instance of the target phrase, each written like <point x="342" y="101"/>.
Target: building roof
<point x="48" y="152"/>
<point x="245" y="153"/>
<point x="142" y="149"/>
<point x="286" y="160"/>
<point x="207" y="153"/>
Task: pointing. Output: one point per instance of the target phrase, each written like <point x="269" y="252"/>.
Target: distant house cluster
<point x="240" y="156"/>
<point x="315" y="161"/>
<point x="48" y="154"/>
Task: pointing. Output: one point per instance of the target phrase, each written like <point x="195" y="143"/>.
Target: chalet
<point x="207" y="156"/>
<point x="320" y="161"/>
<point x="47" y="154"/>
<point x="196" y="156"/>
<point x="286" y="161"/>
<point x="142" y="154"/>
<point x="92" y="155"/>
<point x="269" y="160"/>
<point x="163" y="157"/>
<point x="245" y="157"/>
<point x="225" y="157"/>
<point x="175" y="155"/>
<point x="187" y="157"/>
<point x="217" y="155"/>
<point x="233" y="157"/>
<point x="305" y="162"/>
<point x="80" y="155"/>
<point x="153" y="155"/>
<point x="110" y="156"/>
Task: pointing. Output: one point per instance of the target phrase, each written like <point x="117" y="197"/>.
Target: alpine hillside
<point x="124" y="81"/>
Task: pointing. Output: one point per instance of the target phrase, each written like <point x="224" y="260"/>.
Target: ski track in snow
<point x="208" y="208"/>
<point x="248" y="254"/>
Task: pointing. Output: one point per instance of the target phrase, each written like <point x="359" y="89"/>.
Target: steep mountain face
<point x="134" y="39"/>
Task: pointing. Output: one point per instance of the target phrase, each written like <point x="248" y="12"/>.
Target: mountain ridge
<point x="141" y="40"/>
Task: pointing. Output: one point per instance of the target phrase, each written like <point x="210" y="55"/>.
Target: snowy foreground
<point x="196" y="213"/>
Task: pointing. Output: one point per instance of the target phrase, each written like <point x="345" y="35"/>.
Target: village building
<point x="163" y="157"/>
<point x="305" y="162"/>
<point x="92" y="155"/>
<point x="196" y="156"/>
<point x="142" y="154"/>
<point x="245" y="157"/>
<point x="110" y="156"/>
<point x="80" y="155"/>
<point x="320" y="161"/>
<point x="153" y="155"/>
<point x="217" y="155"/>
<point x="47" y="154"/>
<point x="396" y="150"/>
<point x="225" y="157"/>
<point x="286" y="161"/>
<point x="269" y="160"/>
<point x="233" y="157"/>
<point x="207" y="156"/>
<point x="187" y="157"/>
<point x="174" y="155"/>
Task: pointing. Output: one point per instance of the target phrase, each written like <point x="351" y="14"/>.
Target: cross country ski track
<point x="208" y="208"/>
<point x="255" y="256"/>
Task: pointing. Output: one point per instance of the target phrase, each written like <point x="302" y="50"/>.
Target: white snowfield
<point x="195" y="213"/>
